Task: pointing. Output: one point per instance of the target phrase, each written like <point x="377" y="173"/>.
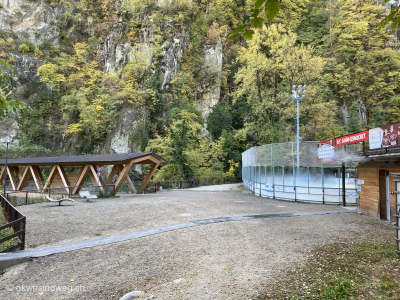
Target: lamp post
<point x="5" y="171"/>
<point x="298" y="95"/>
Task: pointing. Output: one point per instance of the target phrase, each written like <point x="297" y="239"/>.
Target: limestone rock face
<point x="39" y="22"/>
<point x="115" y="54"/>
<point x="211" y="95"/>
<point x="119" y="140"/>
<point x="8" y="130"/>
<point x="35" y="21"/>
<point x="170" y="63"/>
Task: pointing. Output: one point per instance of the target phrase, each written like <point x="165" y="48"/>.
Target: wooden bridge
<point x="22" y="170"/>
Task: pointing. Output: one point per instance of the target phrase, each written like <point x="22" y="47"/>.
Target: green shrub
<point x="343" y="289"/>
<point x="24" y="48"/>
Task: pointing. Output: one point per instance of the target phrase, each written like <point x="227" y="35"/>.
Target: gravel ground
<point x="218" y="261"/>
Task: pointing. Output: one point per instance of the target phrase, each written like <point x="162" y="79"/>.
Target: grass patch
<point x="351" y="270"/>
<point x="6" y="232"/>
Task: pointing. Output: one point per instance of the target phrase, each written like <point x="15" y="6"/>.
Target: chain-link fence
<point x="272" y="171"/>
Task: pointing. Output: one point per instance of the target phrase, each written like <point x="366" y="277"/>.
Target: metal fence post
<point x="323" y="185"/>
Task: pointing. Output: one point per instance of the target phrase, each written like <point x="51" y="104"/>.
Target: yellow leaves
<point x="49" y="73"/>
<point x="73" y="129"/>
<point x="232" y="167"/>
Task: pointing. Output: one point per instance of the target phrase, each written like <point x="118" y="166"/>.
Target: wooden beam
<point x="25" y="178"/>
<point x="122" y="176"/>
<point x="37" y="176"/>
<point x="81" y="179"/>
<point x="114" y="170"/>
<point x="11" y="175"/>
<point x="128" y="181"/>
<point x="17" y="172"/>
<point x="148" y="177"/>
<point x="96" y="180"/>
<point x="64" y="177"/>
<point x="2" y="175"/>
<point x="147" y="157"/>
<point x="49" y="180"/>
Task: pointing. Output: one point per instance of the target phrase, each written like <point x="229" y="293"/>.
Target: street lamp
<point x="5" y="171"/>
<point x="298" y="95"/>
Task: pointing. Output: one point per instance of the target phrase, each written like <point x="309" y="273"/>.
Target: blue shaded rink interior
<point x="271" y="171"/>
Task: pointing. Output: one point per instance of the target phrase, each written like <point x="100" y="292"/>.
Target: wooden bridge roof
<point x="121" y="163"/>
<point x="79" y="160"/>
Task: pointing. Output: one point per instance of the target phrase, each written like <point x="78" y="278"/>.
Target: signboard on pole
<point x="352" y="138"/>
<point x="384" y="136"/>
<point x="326" y="151"/>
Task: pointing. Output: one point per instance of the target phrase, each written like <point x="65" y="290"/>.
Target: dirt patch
<point x="232" y="260"/>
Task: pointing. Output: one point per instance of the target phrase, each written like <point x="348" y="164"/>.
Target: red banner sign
<point x="352" y="138"/>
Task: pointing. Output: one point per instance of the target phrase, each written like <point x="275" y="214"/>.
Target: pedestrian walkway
<point x="40" y="252"/>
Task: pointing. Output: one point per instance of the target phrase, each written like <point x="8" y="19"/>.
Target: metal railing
<point x="32" y="196"/>
<point x="153" y="187"/>
<point x="308" y="184"/>
<point x="17" y="223"/>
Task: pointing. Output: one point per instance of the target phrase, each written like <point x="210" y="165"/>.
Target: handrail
<point x="189" y="183"/>
<point x="17" y="221"/>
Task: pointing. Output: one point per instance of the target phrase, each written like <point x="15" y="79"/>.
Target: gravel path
<point x="218" y="261"/>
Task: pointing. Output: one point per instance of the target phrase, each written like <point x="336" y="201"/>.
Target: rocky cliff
<point x="118" y="31"/>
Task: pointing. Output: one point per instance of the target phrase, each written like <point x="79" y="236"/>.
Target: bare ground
<point x="233" y="260"/>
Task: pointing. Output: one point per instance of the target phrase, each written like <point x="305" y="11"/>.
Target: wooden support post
<point x="16" y="172"/>
<point x="81" y="179"/>
<point x="2" y="175"/>
<point x="12" y="177"/>
<point x="122" y="175"/>
<point x="64" y="177"/>
<point x="148" y="177"/>
<point x="113" y="172"/>
<point x="128" y="181"/>
<point x="37" y="176"/>
<point x="50" y="179"/>
<point x="96" y="180"/>
<point x="25" y="178"/>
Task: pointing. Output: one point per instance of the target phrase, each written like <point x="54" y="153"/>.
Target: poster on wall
<point x="384" y="136"/>
<point x="326" y="151"/>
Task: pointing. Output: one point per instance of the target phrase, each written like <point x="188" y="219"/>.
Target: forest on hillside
<point x="351" y="70"/>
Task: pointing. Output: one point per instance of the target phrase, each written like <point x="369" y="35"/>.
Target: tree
<point x="364" y="68"/>
<point x="354" y="119"/>
<point x="271" y="8"/>
<point x="85" y="96"/>
<point x="8" y="83"/>
<point x="270" y="64"/>
<point x="218" y="120"/>
<point x="379" y="118"/>
<point x="186" y="149"/>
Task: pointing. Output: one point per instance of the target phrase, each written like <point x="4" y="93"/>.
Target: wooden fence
<point x="17" y="223"/>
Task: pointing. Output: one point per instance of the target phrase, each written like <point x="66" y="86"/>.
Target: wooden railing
<point x="17" y="222"/>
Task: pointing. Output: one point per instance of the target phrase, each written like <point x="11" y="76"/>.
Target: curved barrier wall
<point x="271" y="171"/>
